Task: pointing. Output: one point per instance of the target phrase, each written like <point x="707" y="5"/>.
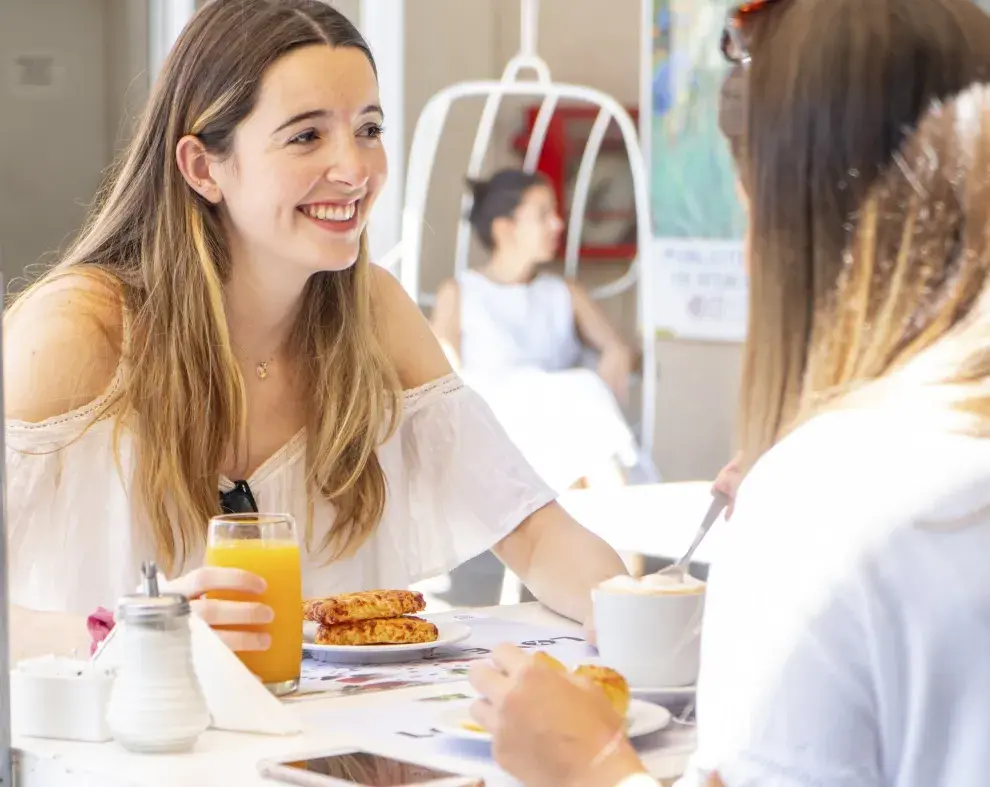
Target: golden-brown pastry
<point x="366" y="605"/>
<point x="381" y="631"/>
<point x="615" y="686"/>
<point x="550" y="661"/>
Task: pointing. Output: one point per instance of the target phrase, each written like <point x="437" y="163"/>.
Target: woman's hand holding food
<point x="550" y="728"/>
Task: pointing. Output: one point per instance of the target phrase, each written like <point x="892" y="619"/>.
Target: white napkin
<point x="236" y="699"/>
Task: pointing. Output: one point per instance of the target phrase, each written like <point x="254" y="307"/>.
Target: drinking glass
<point x="265" y="545"/>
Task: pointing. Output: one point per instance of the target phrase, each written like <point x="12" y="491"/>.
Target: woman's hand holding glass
<point x="222" y="614"/>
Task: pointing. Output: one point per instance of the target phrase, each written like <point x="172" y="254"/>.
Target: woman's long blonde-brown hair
<point x="912" y="300"/>
<point x="834" y="89"/>
<point x="163" y="248"/>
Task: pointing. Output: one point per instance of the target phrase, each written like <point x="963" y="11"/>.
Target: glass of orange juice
<point x="265" y="545"/>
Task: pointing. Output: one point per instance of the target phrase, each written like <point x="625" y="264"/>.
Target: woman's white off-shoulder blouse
<point x="456" y="486"/>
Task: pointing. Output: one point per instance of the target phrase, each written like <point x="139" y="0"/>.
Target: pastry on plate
<point x="380" y="631"/>
<point x="615" y="686"/>
<point x="550" y="661"/>
<point x="365" y="605"/>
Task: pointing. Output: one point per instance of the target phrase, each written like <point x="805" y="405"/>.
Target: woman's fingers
<point x="504" y="671"/>
<point x="239" y="641"/>
<point x="218" y="612"/>
<point x="484" y="714"/>
<point x="489" y="681"/>
<point x="510" y="660"/>
<point x="728" y="480"/>
<point x="208" y="578"/>
<point x="590" y="633"/>
<point x="224" y="615"/>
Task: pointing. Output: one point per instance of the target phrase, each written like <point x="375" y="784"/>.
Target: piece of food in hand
<point x="615" y="686"/>
<point x="365" y="605"/>
<point x="381" y="631"/>
<point x="550" y="661"/>
<point x="472" y="726"/>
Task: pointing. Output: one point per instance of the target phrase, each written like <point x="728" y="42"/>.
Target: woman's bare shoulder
<point x="62" y="344"/>
<point x="405" y="333"/>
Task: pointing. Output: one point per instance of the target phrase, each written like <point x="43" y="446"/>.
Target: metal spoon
<point x="680" y="568"/>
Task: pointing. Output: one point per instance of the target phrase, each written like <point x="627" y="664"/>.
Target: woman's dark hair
<point x="834" y="89"/>
<point x="498" y="197"/>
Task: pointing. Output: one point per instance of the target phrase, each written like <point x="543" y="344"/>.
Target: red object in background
<point x="560" y="158"/>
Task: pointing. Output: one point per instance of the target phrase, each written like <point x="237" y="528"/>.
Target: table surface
<point x="658" y="520"/>
<point x="222" y="758"/>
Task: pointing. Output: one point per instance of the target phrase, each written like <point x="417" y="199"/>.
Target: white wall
<point x="128" y="84"/>
<point x="52" y="139"/>
<point x="55" y="141"/>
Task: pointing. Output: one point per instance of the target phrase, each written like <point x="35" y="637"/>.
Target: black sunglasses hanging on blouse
<point x="238" y="500"/>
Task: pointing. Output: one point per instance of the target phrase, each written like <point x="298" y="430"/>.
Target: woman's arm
<point x="62" y="344"/>
<point x="559" y="560"/>
<point x="615" y="356"/>
<point x="34" y="633"/>
<point x="446" y="320"/>
<point x="542" y="549"/>
<point x="61" y="349"/>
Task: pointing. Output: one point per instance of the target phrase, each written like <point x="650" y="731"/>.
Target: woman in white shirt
<point x="846" y="632"/>
<point x="218" y="320"/>
<point x="519" y="336"/>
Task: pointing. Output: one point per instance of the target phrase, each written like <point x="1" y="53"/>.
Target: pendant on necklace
<point x="261" y="370"/>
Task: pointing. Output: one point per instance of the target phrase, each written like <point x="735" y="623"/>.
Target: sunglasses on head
<point x="734" y="46"/>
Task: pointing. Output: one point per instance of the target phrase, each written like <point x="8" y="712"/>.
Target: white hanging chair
<point x="405" y="257"/>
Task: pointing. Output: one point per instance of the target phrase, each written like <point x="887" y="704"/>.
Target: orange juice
<point x="278" y="563"/>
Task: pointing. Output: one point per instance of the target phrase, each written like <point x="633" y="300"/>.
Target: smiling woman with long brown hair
<point x="217" y="337"/>
<point x="846" y="635"/>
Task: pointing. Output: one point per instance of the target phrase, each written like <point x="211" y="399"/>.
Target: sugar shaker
<point x="157" y="704"/>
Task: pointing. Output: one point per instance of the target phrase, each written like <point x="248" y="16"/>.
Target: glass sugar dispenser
<point x="156" y="705"/>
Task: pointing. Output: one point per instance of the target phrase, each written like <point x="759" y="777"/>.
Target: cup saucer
<point x="664" y="695"/>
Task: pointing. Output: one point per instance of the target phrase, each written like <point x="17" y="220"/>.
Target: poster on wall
<point x="698" y="221"/>
<point x="702" y="291"/>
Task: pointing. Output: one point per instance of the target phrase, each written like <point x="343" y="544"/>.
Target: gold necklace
<point x="260" y="367"/>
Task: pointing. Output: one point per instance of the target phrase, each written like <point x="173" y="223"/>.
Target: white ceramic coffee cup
<point x="652" y="638"/>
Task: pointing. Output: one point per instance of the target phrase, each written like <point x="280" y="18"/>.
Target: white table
<point x="222" y="758"/>
<point x="658" y="520"/>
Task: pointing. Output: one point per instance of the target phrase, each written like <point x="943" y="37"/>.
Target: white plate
<point x="448" y="634"/>
<point x="643" y="719"/>
<point x="666" y="695"/>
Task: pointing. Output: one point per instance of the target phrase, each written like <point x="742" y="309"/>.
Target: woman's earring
<point x="203" y="188"/>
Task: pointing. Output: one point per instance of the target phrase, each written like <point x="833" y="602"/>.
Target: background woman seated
<point x="519" y="336"/>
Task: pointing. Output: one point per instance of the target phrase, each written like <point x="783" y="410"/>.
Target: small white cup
<point x="653" y="638"/>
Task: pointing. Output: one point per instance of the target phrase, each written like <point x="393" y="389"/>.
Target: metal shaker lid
<point x="152" y="606"/>
<point x="152" y="609"/>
